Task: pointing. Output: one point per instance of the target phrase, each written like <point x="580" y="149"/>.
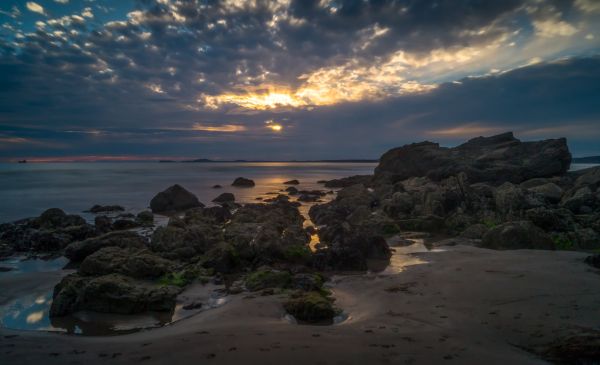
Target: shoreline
<point x="430" y="312"/>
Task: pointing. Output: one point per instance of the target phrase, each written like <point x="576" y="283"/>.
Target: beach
<point x="460" y="305"/>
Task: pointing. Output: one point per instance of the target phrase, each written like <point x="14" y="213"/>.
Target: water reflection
<point x="32" y="313"/>
<point x="404" y="247"/>
<point x="20" y="265"/>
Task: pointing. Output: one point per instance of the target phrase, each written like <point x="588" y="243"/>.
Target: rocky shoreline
<point x="491" y="192"/>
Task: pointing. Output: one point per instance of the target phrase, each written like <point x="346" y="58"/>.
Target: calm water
<point x="28" y="189"/>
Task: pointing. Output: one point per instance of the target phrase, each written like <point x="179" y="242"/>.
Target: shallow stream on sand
<point x="31" y="311"/>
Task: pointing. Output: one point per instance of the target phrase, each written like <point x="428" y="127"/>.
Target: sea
<point x="26" y="190"/>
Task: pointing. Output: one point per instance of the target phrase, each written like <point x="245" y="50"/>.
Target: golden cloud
<point x="227" y="128"/>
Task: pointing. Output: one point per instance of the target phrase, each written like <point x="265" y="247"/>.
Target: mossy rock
<point x="311" y="307"/>
<point x="263" y="279"/>
<point x="297" y="253"/>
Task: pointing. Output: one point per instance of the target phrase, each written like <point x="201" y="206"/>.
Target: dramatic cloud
<point x="35" y="7"/>
<point x="199" y="77"/>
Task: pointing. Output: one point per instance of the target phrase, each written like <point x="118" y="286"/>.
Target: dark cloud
<point x="133" y="83"/>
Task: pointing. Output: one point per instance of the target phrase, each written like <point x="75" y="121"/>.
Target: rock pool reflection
<point x="31" y="311"/>
<point x="403" y="247"/>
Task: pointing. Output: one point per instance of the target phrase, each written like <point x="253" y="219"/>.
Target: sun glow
<point x="274" y="126"/>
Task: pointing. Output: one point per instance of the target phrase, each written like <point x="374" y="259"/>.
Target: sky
<point x="292" y="79"/>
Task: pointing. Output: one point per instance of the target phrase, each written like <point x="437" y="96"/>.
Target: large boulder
<point x="77" y="251"/>
<point x="52" y="231"/>
<point x="579" y="201"/>
<point x="517" y="235"/>
<point x="174" y="242"/>
<point x="261" y="232"/>
<point x="311" y="307"/>
<point x="112" y="293"/>
<point x="133" y="262"/>
<point x="495" y="159"/>
<point x="56" y="218"/>
<point x="224" y="198"/>
<point x="348" y="181"/>
<point x="550" y="191"/>
<point x="174" y="199"/>
<point x="243" y="182"/>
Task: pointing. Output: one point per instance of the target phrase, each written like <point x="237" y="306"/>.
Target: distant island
<point x="205" y="160"/>
<point x="589" y="159"/>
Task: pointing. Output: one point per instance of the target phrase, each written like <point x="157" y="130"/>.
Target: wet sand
<point x="463" y="305"/>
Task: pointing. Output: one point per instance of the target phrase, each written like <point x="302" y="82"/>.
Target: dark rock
<point x="593" y="260"/>
<point x="307" y="282"/>
<point x="222" y="258"/>
<point x="292" y="182"/>
<point x="181" y="243"/>
<point x="112" y="293"/>
<point x="579" y="200"/>
<point x="476" y="231"/>
<point x="175" y="198"/>
<point x="122" y="224"/>
<point x="243" y="182"/>
<point x="558" y="220"/>
<point x="103" y="224"/>
<point x="77" y="251"/>
<point x="106" y="208"/>
<point x="311" y="230"/>
<point x="225" y="198"/>
<point x="261" y="232"/>
<point x="268" y="278"/>
<point x="589" y="177"/>
<point x="430" y="223"/>
<point x="308" y="198"/>
<point x="217" y="186"/>
<point x="192" y="306"/>
<point x="56" y="218"/>
<point x="209" y="215"/>
<point x="310" y="307"/>
<point x="292" y="190"/>
<point x="517" y="235"/>
<point x="348" y="181"/>
<point x="50" y="232"/>
<point x="550" y="191"/>
<point x="497" y="159"/>
<point x="133" y="262"/>
<point x="145" y="218"/>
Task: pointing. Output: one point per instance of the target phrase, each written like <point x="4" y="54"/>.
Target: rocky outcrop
<point x="111" y="293"/>
<point x="224" y="198"/>
<point x="133" y="262"/>
<point x="348" y="181"/>
<point x="243" y="182"/>
<point x="174" y="199"/>
<point x="496" y="159"/>
<point x="351" y="230"/>
<point x="517" y="235"/>
<point x="291" y="182"/>
<point x="311" y="307"/>
<point x="51" y="232"/>
<point x="261" y="232"/>
<point x="78" y="251"/>
<point x="106" y="209"/>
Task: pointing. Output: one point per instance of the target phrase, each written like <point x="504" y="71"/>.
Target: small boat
<point x="22" y="161"/>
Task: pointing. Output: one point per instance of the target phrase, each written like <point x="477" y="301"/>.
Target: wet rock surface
<point x="173" y="199"/>
<point x="51" y="232"/>
<point x="243" y="182"/>
<point x="497" y="158"/>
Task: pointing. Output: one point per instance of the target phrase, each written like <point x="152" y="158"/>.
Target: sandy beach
<point x="461" y="305"/>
